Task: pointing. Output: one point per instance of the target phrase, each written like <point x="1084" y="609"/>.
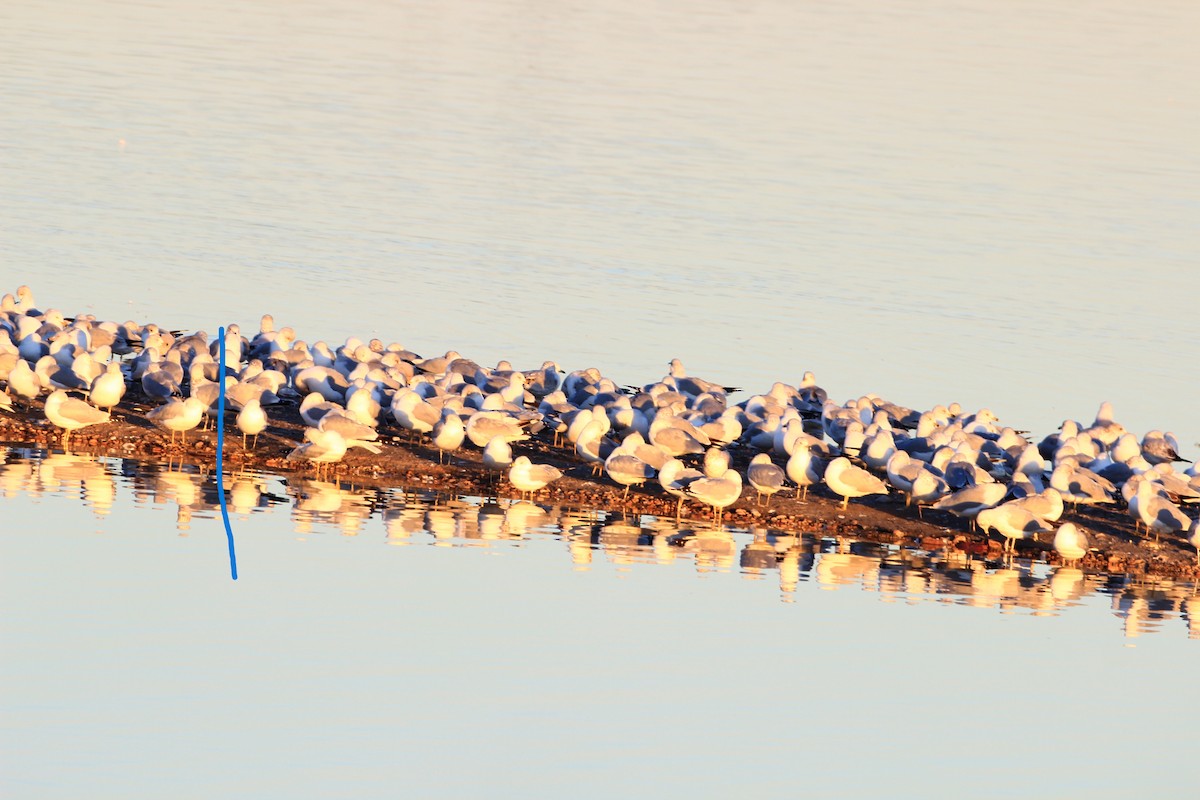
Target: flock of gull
<point x="681" y="433"/>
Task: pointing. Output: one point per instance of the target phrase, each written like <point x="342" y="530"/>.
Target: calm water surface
<point x="465" y="647"/>
<point x="971" y="201"/>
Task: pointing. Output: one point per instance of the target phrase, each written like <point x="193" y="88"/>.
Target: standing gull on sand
<point x="847" y="480"/>
<point x="527" y="477"/>
<point x="71" y="414"/>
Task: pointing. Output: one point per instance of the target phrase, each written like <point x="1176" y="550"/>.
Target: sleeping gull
<point x="527" y="477"/>
<point x="1013" y="523"/>
<point x="970" y="501"/>
<point x="847" y="480"/>
<point x="719" y="493"/>
<point x="326" y="447"/>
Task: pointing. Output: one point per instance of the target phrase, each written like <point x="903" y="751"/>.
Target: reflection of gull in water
<point x="838" y="569"/>
<point x="522" y="517"/>
<point x="714" y="548"/>
<point x="1067" y="584"/>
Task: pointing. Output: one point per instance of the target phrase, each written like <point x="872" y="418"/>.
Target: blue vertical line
<point x="221" y="450"/>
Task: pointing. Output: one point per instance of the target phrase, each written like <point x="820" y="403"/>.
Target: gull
<point x="970" y="501"/>
<point x="483" y="426"/>
<point x="929" y="487"/>
<point x="627" y="470"/>
<point x="764" y="476"/>
<point x="678" y="380"/>
<point x="177" y="416"/>
<point x="719" y="493"/>
<point x="252" y="421"/>
<point x="879" y="450"/>
<point x="1080" y="486"/>
<point x="23" y="381"/>
<point x="326" y="381"/>
<point x="108" y="388"/>
<point x="544" y="381"/>
<point x="312" y="408"/>
<point x="449" y="433"/>
<point x="55" y="375"/>
<point x="1160" y="448"/>
<point x="1070" y="542"/>
<point x="901" y="471"/>
<point x="917" y="482"/>
<point x="1046" y="505"/>
<point x="847" y="480"/>
<point x="716" y="462"/>
<point x="675" y="477"/>
<point x="208" y="392"/>
<point x="5" y="402"/>
<point x="592" y="446"/>
<point x="349" y="428"/>
<point x="497" y="455"/>
<point x="677" y="437"/>
<point x="1194" y="539"/>
<point x="71" y="414"/>
<point x="1175" y="485"/>
<point x="327" y="447"/>
<point x="362" y="405"/>
<point x="636" y="445"/>
<point x="1105" y="429"/>
<point x="1013" y="523"/>
<point x="527" y="477"/>
<point x="161" y="383"/>
<point x="1158" y="513"/>
<point x="803" y="468"/>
